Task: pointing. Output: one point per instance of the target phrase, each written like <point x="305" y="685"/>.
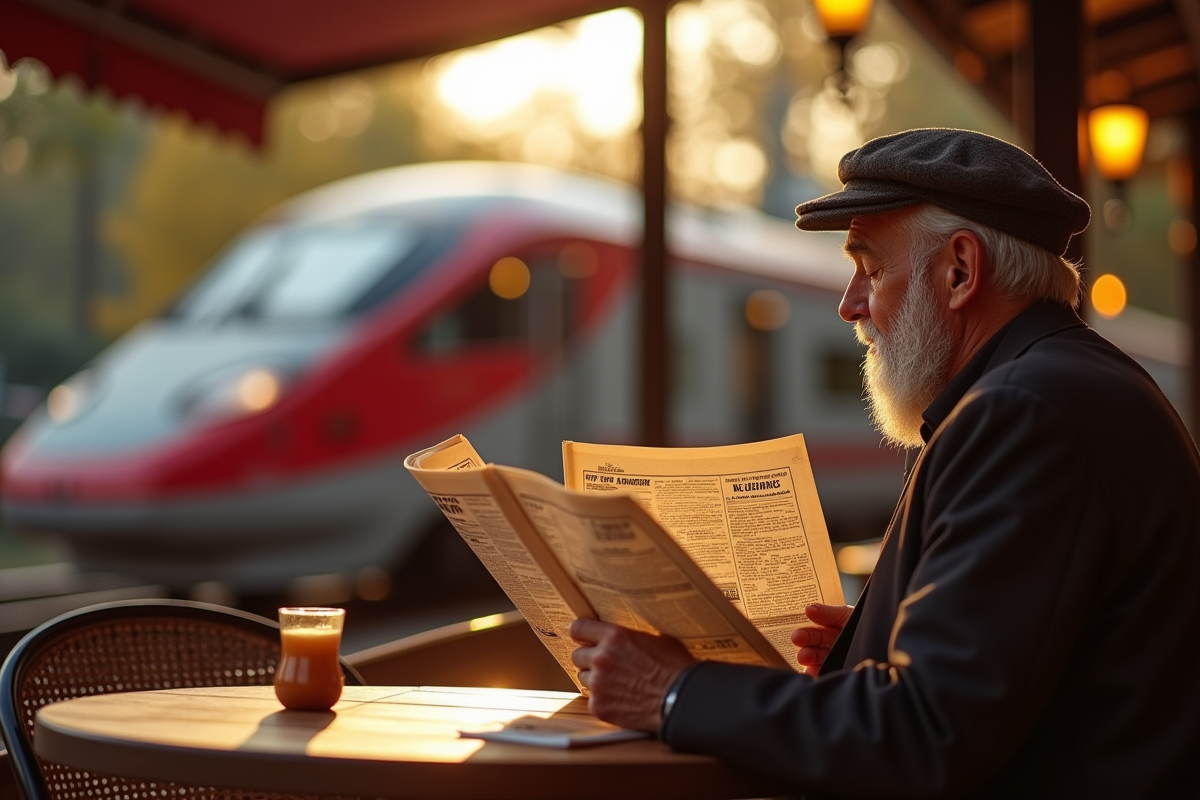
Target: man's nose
<point x="854" y="302"/>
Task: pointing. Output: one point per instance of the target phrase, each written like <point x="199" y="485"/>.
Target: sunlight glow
<point x="483" y="623"/>
<point x="740" y="164"/>
<point x="857" y="559"/>
<point x="593" y="66"/>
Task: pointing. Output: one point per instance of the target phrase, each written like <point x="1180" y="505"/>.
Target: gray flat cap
<point x="971" y="174"/>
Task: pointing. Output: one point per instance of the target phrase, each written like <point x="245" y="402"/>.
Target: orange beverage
<point x="309" y="675"/>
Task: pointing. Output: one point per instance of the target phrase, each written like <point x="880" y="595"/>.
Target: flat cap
<point x="974" y="175"/>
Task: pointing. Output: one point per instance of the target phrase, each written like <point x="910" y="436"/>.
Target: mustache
<point x="866" y="332"/>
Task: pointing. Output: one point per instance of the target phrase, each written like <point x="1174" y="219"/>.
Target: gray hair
<point x="1019" y="269"/>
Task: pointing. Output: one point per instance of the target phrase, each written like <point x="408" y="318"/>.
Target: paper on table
<point x="560" y="732"/>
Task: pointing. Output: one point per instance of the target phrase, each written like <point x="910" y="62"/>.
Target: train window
<point x="526" y="302"/>
<point x="332" y="267"/>
<point x="315" y="271"/>
<point x="841" y="374"/>
<point x="230" y="278"/>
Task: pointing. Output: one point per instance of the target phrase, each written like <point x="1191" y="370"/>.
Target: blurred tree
<point x="194" y="189"/>
<point x="59" y="155"/>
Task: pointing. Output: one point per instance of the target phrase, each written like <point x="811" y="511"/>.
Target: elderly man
<point x="1033" y="622"/>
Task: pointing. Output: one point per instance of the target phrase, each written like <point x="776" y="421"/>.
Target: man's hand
<point x="814" y="643"/>
<point x="626" y="673"/>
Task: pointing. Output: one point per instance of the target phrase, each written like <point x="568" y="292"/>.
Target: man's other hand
<point x="626" y="673"/>
<point x="814" y="643"/>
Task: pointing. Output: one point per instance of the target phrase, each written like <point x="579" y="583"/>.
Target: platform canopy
<point x="220" y="61"/>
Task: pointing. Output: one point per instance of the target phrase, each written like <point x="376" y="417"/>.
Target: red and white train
<point x="254" y="433"/>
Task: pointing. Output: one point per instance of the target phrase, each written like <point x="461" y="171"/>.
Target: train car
<point x="253" y="434"/>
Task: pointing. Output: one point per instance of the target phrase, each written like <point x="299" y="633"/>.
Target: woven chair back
<point x="124" y="647"/>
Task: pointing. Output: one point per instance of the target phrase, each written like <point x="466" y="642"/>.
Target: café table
<point x="378" y="741"/>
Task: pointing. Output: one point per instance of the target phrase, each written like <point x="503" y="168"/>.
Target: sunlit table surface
<point x="378" y="741"/>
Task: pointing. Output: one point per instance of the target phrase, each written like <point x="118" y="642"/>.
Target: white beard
<point x="906" y="369"/>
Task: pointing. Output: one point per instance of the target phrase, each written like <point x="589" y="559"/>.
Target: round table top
<point x="383" y="741"/>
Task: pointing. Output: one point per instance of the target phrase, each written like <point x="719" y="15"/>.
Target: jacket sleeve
<point x="1009" y="517"/>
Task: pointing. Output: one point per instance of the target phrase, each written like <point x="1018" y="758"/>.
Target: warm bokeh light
<point x="258" y="390"/>
<point x="1117" y="135"/>
<point x="1181" y="236"/>
<point x="857" y="559"/>
<point x="62" y="404"/>
<point x="483" y="623"/>
<point x="767" y="310"/>
<point x="8" y="81"/>
<point x="591" y="68"/>
<point x="970" y="65"/>
<point x="509" y="278"/>
<point x="880" y="65"/>
<point x="740" y="164"/>
<point x="570" y="96"/>
<point x="578" y="260"/>
<point x="843" y="17"/>
<point x="1108" y="296"/>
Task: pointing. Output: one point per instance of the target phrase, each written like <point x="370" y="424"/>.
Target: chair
<point x="120" y="647"/>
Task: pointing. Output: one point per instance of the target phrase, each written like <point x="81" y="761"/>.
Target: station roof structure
<point x="221" y="60"/>
<point x="1145" y="52"/>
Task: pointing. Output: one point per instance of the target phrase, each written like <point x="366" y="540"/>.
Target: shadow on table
<point x="287" y="725"/>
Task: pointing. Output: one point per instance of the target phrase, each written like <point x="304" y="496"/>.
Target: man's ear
<point x="963" y="268"/>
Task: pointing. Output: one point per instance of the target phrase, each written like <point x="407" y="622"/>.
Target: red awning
<point x="219" y="61"/>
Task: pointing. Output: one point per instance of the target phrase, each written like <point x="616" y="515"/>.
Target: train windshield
<point x="308" y="272"/>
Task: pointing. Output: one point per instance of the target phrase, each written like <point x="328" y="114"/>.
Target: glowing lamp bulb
<point x="1117" y="134"/>
<point x="843" y="18"/>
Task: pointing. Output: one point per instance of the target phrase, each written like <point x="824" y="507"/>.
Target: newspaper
<point x="747" y="547"/>
<point x="748" y="514"/>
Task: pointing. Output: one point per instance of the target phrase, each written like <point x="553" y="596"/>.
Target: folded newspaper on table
<point x="567" y="731"/>
<point x="719" y="547"/>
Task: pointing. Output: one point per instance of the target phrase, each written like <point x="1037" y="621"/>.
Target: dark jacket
<point x="1033" y="624"/>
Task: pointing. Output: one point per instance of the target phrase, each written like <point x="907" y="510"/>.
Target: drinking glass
<point x="309" y="675"/>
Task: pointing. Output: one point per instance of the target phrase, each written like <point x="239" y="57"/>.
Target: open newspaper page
<point x="634" y="573"/>
<point x="748" y="514"/>
<point x="496" y="530"/>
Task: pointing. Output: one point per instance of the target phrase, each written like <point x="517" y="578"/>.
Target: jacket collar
<point x="1040" y="320"/>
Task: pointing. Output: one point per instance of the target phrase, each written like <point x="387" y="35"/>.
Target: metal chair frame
<point x="126" y="646"/>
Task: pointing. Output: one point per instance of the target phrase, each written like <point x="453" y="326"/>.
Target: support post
<point x="1192" y="282"/>
<point x="1055" y="87"/>
<point x="655" y="361"/>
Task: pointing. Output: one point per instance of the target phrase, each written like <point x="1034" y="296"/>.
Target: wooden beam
<point x="944" y="31"/>
<point x="1189" y="20"/>
<point x="1123" y="44"/>
<point x="1169" y="99"/>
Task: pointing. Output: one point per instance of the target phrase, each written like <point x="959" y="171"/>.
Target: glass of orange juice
<point x="309" y="675"/>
